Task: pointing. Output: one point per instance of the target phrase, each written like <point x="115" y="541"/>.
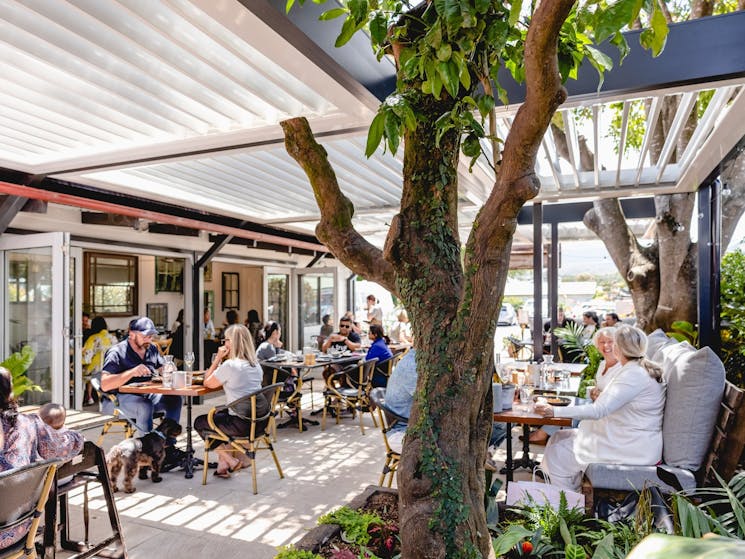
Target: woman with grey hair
<point x="622" y="426"/>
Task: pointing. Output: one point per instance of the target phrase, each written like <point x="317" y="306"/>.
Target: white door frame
<point x="59" y="361"/>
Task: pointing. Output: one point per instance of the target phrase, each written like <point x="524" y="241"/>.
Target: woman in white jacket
<point x="624" y="424"/>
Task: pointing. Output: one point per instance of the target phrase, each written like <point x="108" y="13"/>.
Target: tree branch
<point x="335" y="228"/>
<point x="489" y="245"/>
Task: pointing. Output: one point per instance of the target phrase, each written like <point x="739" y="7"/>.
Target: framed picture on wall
<point x="208" y="272"/>
<point x="169" y="274"/>
<point x="158" y="313"/>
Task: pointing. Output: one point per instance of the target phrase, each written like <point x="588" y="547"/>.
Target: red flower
<point x="527" y="548"/>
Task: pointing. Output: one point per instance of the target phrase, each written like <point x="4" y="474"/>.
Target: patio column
<point x="709" y="263"/>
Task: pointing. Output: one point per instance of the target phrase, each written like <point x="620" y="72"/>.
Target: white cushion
<point x="655" y="342"/>
<point x="695" y="384"/>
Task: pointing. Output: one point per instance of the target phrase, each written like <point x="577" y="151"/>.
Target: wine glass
<point x="189" y="360"/>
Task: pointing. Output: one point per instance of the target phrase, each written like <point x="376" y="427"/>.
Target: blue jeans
<point x="139" y="408"/>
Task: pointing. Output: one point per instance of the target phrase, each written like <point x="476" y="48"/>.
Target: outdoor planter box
<point x="313" y="540"/>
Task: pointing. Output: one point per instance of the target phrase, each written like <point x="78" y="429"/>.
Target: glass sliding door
<point x="36" y="310"/>
<point x="316" y="298"/>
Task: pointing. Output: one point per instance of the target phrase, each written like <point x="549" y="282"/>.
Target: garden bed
<point x="325" y="539"/>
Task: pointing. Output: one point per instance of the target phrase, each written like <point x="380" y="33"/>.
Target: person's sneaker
<point x="174" y="459"/>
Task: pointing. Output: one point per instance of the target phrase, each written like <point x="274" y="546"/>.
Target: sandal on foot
<point x="238" y="466"/>
<point x="223" y="475"/>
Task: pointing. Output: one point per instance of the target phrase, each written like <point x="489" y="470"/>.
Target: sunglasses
<point x="344" y="326"/>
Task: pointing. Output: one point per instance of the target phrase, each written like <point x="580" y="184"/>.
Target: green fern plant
<point x="694" y="520"/>
<point x="18" y="363"/>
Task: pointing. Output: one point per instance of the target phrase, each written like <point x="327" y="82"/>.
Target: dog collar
<point x="161" y="435"/>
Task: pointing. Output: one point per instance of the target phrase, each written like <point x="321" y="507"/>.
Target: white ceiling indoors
<point x="179" y="101"/>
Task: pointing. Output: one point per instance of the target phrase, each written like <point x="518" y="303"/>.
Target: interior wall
<point x="250" y="282"/>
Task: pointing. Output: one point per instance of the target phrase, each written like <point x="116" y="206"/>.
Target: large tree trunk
<point x="453" y="306"/>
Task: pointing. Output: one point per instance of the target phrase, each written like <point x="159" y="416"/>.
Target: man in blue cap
<point x="135" y="360"/>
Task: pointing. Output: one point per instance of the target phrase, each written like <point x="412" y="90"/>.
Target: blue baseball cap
<point x="143" y="325"/>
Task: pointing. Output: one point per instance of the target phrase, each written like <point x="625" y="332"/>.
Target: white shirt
<point x="239" y="378"/>
<point x="603" y="376"/>
<point x="624" y="425"/>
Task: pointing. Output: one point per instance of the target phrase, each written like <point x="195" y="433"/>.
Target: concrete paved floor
<point x="180" y="516"/>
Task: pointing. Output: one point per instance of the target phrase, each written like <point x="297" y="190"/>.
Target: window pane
<point x="110" y="286"/>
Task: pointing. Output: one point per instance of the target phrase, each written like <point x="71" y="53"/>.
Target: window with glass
<point x="230" y="291"/>
<point x="110" y="284"/>
<point x="277" y="298"/>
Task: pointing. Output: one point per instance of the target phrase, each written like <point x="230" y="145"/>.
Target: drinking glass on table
<point x="189" y="360"/>
<point x="526" y="397"/>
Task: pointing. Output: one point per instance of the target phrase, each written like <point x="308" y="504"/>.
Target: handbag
<point x="662" y="516"/>
<point x="525" y="492"/>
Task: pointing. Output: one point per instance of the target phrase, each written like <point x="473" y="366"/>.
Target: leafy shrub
<point x="732" y="301"/>
<point x="355" y="525"/>
<point x="289" y="552"/>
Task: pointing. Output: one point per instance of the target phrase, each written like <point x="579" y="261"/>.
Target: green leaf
<point x="347" y="30"/>
<point x="605" y="548"/>
<point x="378" y="28"/>
<point x="358" y="9"/>
<point x="655" y="37"/>
<point x="621" y="44"/>
<point x="511" y="537"/>
<point x="444" y="52"/>
<point x="515" y="12"/>
<point x="392" y="134"/>
<point x="449" y="74"/>
<point x="332" y="14"/>
<point x="565" y="535"/>
<point x="614" y="17"/>
<point x="485" y="103"/>
<point x="375" y="134"/>
<point x="600" y="61"/>
<point x="574" y="551"/>
<point x="471" y="146"/>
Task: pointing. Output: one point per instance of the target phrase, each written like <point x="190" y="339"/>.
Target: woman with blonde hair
<point x="239" y="374"/>
<point x="622" y="426"/>
<point x="401" y="330"/>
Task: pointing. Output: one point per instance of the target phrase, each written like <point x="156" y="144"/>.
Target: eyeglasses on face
<point x="344" y="326"/>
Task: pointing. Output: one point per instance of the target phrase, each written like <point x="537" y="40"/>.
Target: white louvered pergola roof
<point x="179" y="101"/>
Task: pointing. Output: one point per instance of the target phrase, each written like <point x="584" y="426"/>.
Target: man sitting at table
<point x="345" y="339"/>
<point x="135" y="360"/>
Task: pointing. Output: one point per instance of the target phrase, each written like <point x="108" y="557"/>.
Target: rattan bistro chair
<point x="350" y="389"/>
<point x="388" y="420"/>
<point x="258" y="408"/>
<point x="25" y="491"/>
<point x="117" y="420"/>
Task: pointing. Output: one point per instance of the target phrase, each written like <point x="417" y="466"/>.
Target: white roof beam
<point x="681" y="116"/>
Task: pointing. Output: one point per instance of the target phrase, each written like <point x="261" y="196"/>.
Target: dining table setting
<point x="305" y="363"/>
<point x="186" y="384"/>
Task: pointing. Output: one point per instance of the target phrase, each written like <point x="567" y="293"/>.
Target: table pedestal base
<point x="525" y="461"/>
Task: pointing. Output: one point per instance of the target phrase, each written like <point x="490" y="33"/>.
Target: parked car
<point x="507" y="315"/>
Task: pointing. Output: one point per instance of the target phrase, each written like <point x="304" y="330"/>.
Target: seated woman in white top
<point x="607" y="370"/>
<point x="239" y="375"/>
<point x="624" y="424"/>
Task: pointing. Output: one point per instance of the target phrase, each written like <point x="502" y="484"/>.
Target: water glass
<point x="526" y="397"/>
<point x="167" y="376"/>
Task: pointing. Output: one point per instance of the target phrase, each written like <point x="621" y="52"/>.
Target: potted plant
<point x="18" y="364"/>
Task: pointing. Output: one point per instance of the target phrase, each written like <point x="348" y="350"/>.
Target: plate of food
<point x="557" y="400"/>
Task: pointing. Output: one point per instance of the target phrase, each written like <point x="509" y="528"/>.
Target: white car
<point x="507" y="315"/>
